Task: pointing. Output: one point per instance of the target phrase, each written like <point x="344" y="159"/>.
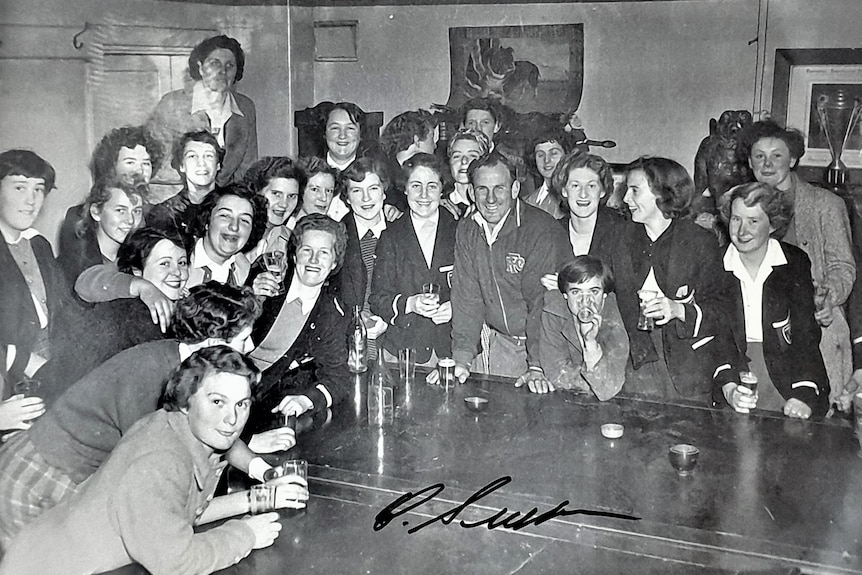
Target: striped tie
<point x="367" y="247"/>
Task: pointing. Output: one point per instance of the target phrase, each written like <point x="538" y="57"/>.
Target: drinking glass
<point x="275" y="263"/>
<point x="27" y="387"/>
<point x="431" y="292"/>
<point x="406" y="364"/>
<point x="261" y="498"/>
<point x="645" y="323"/>
<point x="446" y="371"/>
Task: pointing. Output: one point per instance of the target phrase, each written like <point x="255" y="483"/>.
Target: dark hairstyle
<point x="104" y="158"/>
<point x="100" y="194"/>
<point x="202" y="50"/>
<point x="487" y="104"/>
<point x="322" y="223"/>
<point x="138" y="245"/>
<point x="263" y="171"/>
<point x="794" y="139"/>
<point x="202" y="136"/>
<point x="28" y="164"/>
<point x="470" y="134"/>
<point x="584" y="268"/>
<point x="775" y="204"/>
<point x="399" y="133"/>
<point x="358" y="170"/>
<point x="592" y="162"/>
<point x="353" y="111"/>
<point x="258" y="210"/>
<point x="423" y="160"/>
<point x="489" y="161"/>
<point x="669" y="182"/>
<point x="184" y="380"/>
<point x="547" y="136"/>
<point x="311" y="166"/>
<point x="214" y="310"/>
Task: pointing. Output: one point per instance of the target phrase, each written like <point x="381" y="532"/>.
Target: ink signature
<point x="514" y="520"/>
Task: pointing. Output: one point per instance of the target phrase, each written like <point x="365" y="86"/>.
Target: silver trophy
<point x="837" y="115"/>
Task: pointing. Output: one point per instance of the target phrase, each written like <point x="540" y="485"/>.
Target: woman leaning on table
<point x="819" y="226"/>
<point x="772" y="318"/>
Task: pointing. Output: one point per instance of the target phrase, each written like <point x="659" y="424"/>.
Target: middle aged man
<point x="501" y="253"/>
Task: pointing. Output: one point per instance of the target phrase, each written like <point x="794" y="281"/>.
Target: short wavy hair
<point x="214" y="310"/>
<point x="28" y="164"/>
<point x="487" y="104"/>
<point x="100" y="194"/>
<point x="469" y="134"/>
<point x="358" y="170"/>
<point x="185" y="380"/>
<point x="258" y="209"/>
<point x="260" y="173"/>
<point x="138" y="245"/>
<point x="179" y="149"/>
<point x="584" y="268"/>
<point x="669" y="182"/>
<point x="490" y="160"/>
<point x="399" y="133"/>
<point x="322" y="223"/>
<point x="423" y="160"/>
<point x="792" y="138"/>
<point x="205" y="48"/>
<point x="592" y="162"/>
<point x="549" y="136"/>
<point x="775" y="204"/>
<point x="104" y="159"/>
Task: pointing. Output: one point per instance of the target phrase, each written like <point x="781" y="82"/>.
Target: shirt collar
<point x="376" y="229"/>
<point x="185" y="351"/>
<point x="419" y="223"/>
<point x="200" y="103"/>
<point x="458" y="196"/>
<point x="340" y="166"/>
<point x="774" y="257"/>
<point x="492" y="233"/>
<point x="307" y="295"/>
<point x="201" y="258"/>
<point x="27" y="234"/>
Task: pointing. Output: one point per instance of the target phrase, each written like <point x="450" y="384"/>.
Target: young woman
<point x="90" y="335"/>
<point x="319" y="189"/>
<point x="545" y="153"/>
<point x="113" y="209"/>
<point x="279" y="180"/>
<point x="464" y="147"/>
<point x="415" y="251"/>
<point x="676" y="267"/>
<point x="790" y="371"/>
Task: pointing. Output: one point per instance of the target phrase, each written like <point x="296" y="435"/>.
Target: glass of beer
<point x="645" y="323"/>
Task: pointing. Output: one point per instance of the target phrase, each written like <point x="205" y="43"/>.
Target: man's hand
<point x="18" y="411"/>
<point x="443" y="313"/>
<point x="280" y="439"/>
<point x="265" y="527"/>
<point x="391" y="213"/>
<point x="161" y="308"/>
<point x="739" y="397"/>
<point x="293" y="405"/>
<point x="265" y="285"/>
<point x="797" y="409"/>
<point x="536" y="381"/>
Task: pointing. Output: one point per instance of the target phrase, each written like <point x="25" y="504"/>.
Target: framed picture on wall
<point x="813" y="86"/>
<point x="537" y="68"/>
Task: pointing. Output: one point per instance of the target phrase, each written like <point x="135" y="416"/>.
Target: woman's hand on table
<point x="797" y="409"/>
<point x="280" y="439"/>
<point x="535" y="381"/>
<point x="739" y="397"/>
<point x="293" y="405"/>
<point x="265" y="527"/>
<point x="664" y="309"/>
<point x="18" y="411"/>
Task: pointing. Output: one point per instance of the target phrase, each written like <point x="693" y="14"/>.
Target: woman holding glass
<point x="279" y="180"/>
<point x="673" y="267"/>
<point x="819" y="226"/>
<point x="776" y="335"/>
<point x="416" y="254"/>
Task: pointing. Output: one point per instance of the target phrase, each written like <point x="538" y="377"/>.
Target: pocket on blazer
<point x="783" y="331"/>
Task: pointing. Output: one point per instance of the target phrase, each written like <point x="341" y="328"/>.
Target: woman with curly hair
<point x="668" y="273"/>
<point x="773" y="298"/>
<point x="280" y="180"/>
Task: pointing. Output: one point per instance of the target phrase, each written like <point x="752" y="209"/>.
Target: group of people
<point x="160" y="328"/>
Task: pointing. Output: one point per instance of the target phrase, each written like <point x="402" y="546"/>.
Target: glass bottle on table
<point x="357" y="343"/>
<point x="381" y="393"/>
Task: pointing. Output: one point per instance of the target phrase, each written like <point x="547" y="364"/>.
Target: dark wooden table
<point x="769" y="494"/>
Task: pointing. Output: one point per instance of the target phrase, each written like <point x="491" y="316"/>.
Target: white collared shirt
<point x="542" y="193"/>
<point x="457" y="197"/>
<point x="491" y="234"/>
<point x="218" y="116"/>
<point x="200" y="258"/>
<point x="376" y="229"/>
<point x="306" y="295"/>
<point x="426" y="232"/>
<point x="752" y="288"/>
<point x="340" y="166"/>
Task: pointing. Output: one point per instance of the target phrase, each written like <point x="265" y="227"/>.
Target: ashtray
<point x="476" y="403"/>
<point x="612" y="430"/>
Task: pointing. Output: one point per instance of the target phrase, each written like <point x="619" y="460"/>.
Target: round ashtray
<point x="612" y="430"/>
<point x="476" y="403"/>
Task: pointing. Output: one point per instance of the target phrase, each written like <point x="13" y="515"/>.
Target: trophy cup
<point x="837" y="116"/>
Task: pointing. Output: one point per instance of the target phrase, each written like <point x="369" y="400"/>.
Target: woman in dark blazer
<point x="403" y="267"/>
<point x="781" y="343"/>
<point x="676" y="265"/>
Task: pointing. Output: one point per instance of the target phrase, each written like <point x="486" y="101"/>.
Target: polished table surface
<point x="768" y="495"/>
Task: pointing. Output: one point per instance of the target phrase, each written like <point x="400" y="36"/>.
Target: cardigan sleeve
<point x="840" y="267"/>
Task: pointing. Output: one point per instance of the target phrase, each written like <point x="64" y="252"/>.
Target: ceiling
<point x="348" y="3"/>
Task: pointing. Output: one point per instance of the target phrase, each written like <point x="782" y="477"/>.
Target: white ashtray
<point x="612" y="430"/>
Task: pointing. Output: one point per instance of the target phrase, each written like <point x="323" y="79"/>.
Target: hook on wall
<point x="77" y="43"/>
